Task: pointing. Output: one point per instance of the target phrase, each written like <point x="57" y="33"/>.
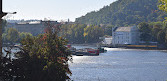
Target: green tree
<point x="156" y="28"/>
<point x="145" y="31"/>
<point x="4" y="22"/>
<point x="92" y="33"/>
<point x="4" y="39"/>
<point x="122" y="12"/>
<point x="42" y="58"/>
<point x="161" y="37"/>
<point x="163" y="5"/>
<point x="73" y="32"/>
<point x="108" y="30"/>
<point x="22" y="35"/>
<point x="82" y="33"/>
<point x="12" y="35"/>
<point x="144" y="27"/>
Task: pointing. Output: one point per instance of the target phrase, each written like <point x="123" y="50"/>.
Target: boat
<point x="87" y="52"/>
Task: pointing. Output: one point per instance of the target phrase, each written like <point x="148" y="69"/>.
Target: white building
<point x="106" y="40"/>
<point x="125" y="35"/>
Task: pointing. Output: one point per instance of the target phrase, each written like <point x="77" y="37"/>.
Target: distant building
<point x="106" y="40"/>
<point x="33" y="27"/>
<point x="125" y="35"/>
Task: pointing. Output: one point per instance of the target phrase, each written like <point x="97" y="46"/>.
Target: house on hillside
<point x="125" y="35"/>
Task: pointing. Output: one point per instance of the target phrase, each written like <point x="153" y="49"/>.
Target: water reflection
<point x="13" y="50"/>
<point x="121" y="65"/>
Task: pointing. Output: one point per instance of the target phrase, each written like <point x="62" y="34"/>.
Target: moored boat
<point x="87" y="52"/>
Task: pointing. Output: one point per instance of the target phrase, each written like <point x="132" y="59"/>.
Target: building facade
<point x="35" y="27"/>
<point x="106" y="40"/>
<point x="125" y="35"/>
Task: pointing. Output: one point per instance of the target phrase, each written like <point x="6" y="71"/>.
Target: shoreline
<point x="140" y="49"/>
<point x="91" y="44"/>
<point x="95" y="45"/>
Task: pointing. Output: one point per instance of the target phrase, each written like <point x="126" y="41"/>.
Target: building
<point x="33" y="27"/>
<point x="125" y="35"/>
<point x="106" y="40"/>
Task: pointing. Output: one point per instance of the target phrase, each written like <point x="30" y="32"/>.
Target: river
<point x="121" y="65"/>
<point x="14" y="50"/>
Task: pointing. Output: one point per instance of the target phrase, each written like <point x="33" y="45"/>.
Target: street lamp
<point x="2" y="14"/>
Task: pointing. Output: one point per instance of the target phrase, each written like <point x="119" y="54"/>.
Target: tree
<point x="145" y="37"/>
<point x="161" y="37"/>
<point x="145" y="31"/>
<point x="4" y="38"/>
<point x="82" y="33"/>
<point x="144" y="27"/>
<point x="22" y="35"/>
<point x="92" y="33"/>
<point x="42" y="58"/>
<point x="163" y="5"/>
<point x="3" y="25"/>
<point x="155" y="29"/>
<point x="108" y="30"/>
<point x="12" y="35"/>
<point x="122" y="12"/>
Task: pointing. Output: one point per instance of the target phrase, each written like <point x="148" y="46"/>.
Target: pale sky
<point x="52" y="9"/>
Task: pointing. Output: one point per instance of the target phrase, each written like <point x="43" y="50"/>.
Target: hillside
<point x="124" y="12"/>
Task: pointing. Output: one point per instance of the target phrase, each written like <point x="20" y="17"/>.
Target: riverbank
<point x="87" y="44"/>
<point x="139" y="48"/>
<point x="142" y="47"/>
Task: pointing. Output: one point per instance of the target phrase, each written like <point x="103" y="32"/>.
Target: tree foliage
<point x="3" y="25"/>
<point x="42" y="58"/>
<point x="11" y="35"/>
<point x="153" y="31"/>
<point x="92" y="33"/>
<point x="125" y="12"/>
<point x="163" y="5"/>
<point x="145" y="31"/>
<point x="82" y="33"/>
<point x="161" y="37"/>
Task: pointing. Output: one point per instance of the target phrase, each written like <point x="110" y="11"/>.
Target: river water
<point x="121" y="65"/>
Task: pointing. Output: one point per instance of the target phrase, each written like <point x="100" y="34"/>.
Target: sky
<point x="52" y="9"/>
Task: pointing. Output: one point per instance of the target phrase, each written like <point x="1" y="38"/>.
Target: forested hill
<point x="125" y="12"/>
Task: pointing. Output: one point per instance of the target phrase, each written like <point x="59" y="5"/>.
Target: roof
<point x="123" y="29"/>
